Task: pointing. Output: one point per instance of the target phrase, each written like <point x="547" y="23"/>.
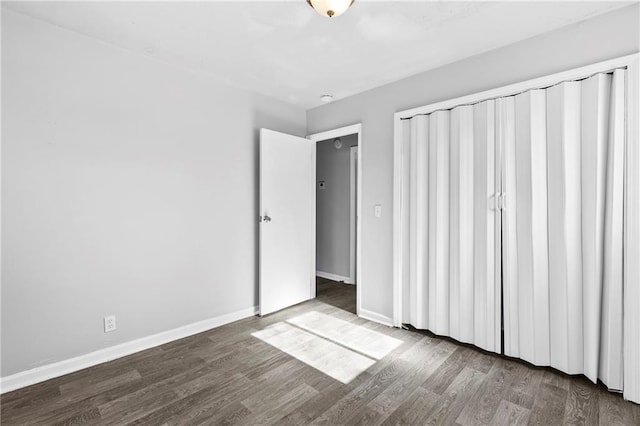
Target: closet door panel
<point x="486" y="291"/>
<point x="565" y="263"/>
<point x="530" y="216"/>
<point x="611" y="363"/>
<point x="454" y="225"/>
<point x="408" y="301"/>
<point x="439" y="222"/>
<point x="466" y="188"/>
<point x="419" y="238"/>
<point x="461" y="271"/>
<point x="506" y="138"/>
<point x="594" y="131"/>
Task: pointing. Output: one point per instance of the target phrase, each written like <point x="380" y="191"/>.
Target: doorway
<point x="338" y="189"/>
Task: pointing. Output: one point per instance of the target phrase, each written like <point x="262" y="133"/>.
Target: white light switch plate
<point x="377" y="210"/>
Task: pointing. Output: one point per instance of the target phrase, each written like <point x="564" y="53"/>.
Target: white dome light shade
<point x="330" y="8"/>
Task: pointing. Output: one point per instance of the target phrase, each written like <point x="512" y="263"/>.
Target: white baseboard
<point x="375" y="317"/>
<point x="333" y="277"/>
<point x="57" y="369"/>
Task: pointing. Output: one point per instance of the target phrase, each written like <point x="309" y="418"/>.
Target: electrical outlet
<point x="109" y="323"/>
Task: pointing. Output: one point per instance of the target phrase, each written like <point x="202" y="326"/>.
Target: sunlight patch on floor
<point x="333" y="360"/>
<point x="337" y="348"/>
<point x="360" y="339"/>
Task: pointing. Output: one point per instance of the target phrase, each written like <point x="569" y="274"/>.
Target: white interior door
<point x="287" y="221"/>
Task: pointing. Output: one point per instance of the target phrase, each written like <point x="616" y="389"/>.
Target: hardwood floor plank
<point x="482" y="361"/>
<point x="426" y="357"/>
<point x="271" y="410"/>
<point x="221" y="379"/>
<point x="510" y="414"/>
<point x="332" y="392"/>
<point x="556" y="378"/>
<point x="366" y="417"/>
<point x="231" y="415"/>
<point x="448" y="407"/>
<point x="549" y="405"/>
<point x="46" y="417"/>
<point x="32" y="396"/>
<point x="613" y="410"/>
<point x="416" y="406"/>
<point x="87" y="417"/>
<point x="359" y="397"/>
<point x="523" y="390"/>
<point x="164" y="391"/>
<point x="200" y="405"/>
<point x="74" y="395"/>
<point x="274" y="387"/>
<point x="160" y="382"/>
<point x="212" y="405"/>
<point x="133" y="407"/>
<point x="582" y="406"/>
<point x="439" y="381"/>
<point x="482" y="407"/>
<point x="294" y="419"/>
<point x="93" y="386"/>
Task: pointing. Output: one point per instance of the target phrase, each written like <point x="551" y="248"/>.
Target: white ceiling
<point x="285" y="50"/>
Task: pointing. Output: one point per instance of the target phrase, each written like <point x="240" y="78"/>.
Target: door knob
<point x="266" y="218"/>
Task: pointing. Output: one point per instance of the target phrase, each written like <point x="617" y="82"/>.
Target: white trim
<point x="512" y="89"/>
<point x="60" y="368"/>
<point x="631" y="228"/>
<point x="353" y="210"/>
<point x="335" y="133"/>
<point x="312" y="280"/>
<point x="397" y="221"/>
<point x="333" y="277"/>
<point x="629" y="61"/>
<point x="375" y="317"/>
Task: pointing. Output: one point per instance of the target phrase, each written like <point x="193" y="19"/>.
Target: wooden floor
<point x="339" y="295"/>
<point x="227" y="376"/>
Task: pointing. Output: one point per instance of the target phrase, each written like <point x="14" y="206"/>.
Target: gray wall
<point x="129" y="187"/>
<point x="333" y="213"/>
<point x="604" y="37"/>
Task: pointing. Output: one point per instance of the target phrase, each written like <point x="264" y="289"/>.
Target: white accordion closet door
<point x="452" y="281"/>
<point x="562" y="231"/>
<point x="518" y="213"/>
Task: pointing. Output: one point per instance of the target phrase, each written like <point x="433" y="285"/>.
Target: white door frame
<point x="632" y="192"/>
<point x="336" y="133"/>
<point x="353" y="211"/>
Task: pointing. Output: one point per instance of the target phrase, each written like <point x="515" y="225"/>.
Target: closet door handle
<point x="499" y="201"/>
<point x="502" y="204"/>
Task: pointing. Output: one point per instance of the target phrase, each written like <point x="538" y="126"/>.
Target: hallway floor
<point x="334" y="293"/>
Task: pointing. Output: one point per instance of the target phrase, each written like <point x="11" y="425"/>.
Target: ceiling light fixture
<point x="326" y="98"/>
<point x="330" y="8"/>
